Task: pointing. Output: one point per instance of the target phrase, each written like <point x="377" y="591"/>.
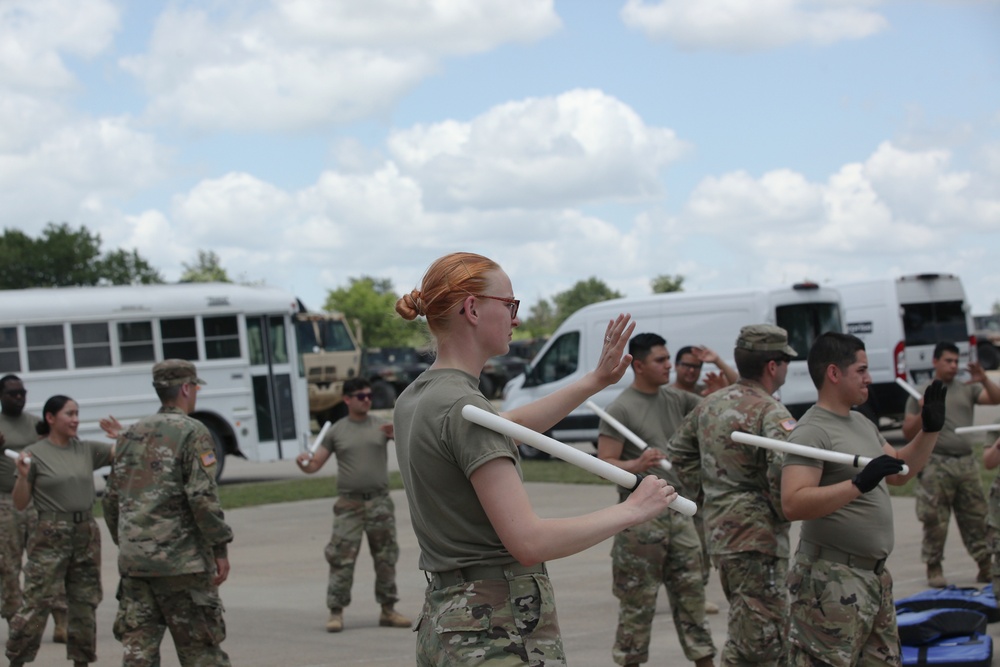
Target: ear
<point x="468" y="308"/>
<point x="833" y="374"/>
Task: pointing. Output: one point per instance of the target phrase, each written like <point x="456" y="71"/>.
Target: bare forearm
<point x="817" y="501"/>
<point x="546" y="412"/>
<point x="916" y="453"/>
<point x="541" y="540"/>
<point x="912" y="424"/>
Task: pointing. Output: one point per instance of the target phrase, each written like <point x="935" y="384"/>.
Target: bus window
<point x="222" y="337"/>
<point x="804" y="322"/>
<point x="46" y="347"/>
<point x="276" y="335"/>
<point x="135" y="342"/>
<point x="91" y="345"/>
<point x="180" y="339"/>
<point x="10" y="360"/>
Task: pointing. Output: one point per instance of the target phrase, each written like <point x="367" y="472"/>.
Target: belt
<point x="354" y="495"/>
<point x="810" y="550"/>
<point x="448" y="578"/>
<point x="72" y="517"/>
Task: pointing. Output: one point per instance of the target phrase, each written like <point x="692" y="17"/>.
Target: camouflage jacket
<point x="161" y="503"/>
<point x="737" y="487"/>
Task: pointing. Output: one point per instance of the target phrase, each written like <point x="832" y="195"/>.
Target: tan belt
<point x="810" y="550"/>
<point x="71" y="517"/>
<point x="479" y="572"/>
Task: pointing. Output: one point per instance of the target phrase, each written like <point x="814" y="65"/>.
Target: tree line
<point x="62" y="256"/>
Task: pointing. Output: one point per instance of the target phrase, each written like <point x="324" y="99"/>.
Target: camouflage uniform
<point x="362" y="508"/>
<point x="64" y="552"/>
<point x="162" y="509"/>
<point x="993" y="527"/>
<point x="952" y="479"/>
<point x="505" y="620"/>
<point x="354" y="516"/>
<point x="738" y="487"/>
<point x="664" y="551"/>
<point x="15" y="525"/>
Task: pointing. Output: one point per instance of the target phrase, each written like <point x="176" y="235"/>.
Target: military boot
<point x="935" y="576"/>
<point x="390" y="618"/>
<point x="59" y="632"/>
<point x="336" y="621"/>
<point x="985" y="575"/>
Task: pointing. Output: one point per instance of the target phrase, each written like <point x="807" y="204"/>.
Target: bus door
<point x="271" y="372"/>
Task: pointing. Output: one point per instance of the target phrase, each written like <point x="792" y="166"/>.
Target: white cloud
<point x="36" y="34"/>
<point x="739" y="25"/>
<point x="580" y="146"/>
<point x="302" y="64"/>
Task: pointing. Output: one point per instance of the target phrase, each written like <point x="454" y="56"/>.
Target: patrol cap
<point x="764" y="338"/>
<point x="173" y="372"/>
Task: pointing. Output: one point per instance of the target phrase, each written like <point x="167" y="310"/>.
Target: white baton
<point x="806" y="450"/>
<point x="566" y="453"/>
<point x="624" y="430"/>
<point x="909" y="388"/>
<point x="11" y="454"/>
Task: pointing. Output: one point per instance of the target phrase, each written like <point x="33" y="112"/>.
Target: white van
<point x="713" y="319"/>
<point x="901" y="320"/>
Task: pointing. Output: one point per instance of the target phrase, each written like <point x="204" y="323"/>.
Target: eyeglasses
<point x="685" y="364"/>
<point x="512" y="304"/>
<point x="362" y="396"/>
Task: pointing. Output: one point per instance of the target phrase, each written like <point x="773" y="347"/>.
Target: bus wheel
<point x="220" y="453"/>
<point x="989" y="356"/>
<point x="383" y="395"/>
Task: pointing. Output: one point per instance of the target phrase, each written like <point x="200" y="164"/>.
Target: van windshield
<point x="805" y="321"/>
<point x="929" y="323"/>
<point x="560" y="360"/>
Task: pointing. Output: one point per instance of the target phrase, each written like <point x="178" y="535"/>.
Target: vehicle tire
<point x="989" y="356"/>
<point x="529" y="453"/>
<point x="383" y="395"/>
<point x="486" y="386"/>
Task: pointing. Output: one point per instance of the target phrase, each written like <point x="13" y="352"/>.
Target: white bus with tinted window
<point x="98" y="346"/>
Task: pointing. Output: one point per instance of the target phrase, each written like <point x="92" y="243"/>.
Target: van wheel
<point x="529" y="453"/>
<point x="383" y="395"/>
<point x="989" y="356"/>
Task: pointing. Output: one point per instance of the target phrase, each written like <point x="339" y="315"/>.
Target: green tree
<point x="371" y="301"/>
<point x="206" y="269"/>
<point x="665" y="283"/>
<point x="541" y="320"/>
<point x="62" y="256"/>
<point x="583" y="293"/>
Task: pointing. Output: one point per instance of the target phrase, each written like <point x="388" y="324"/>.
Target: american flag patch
<point x="208" y="459"/>
<point x="788" y="424"/>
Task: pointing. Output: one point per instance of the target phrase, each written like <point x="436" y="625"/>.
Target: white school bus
<point x="98" y="345"/>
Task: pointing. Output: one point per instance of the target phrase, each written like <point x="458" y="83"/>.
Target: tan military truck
<point x="329" y="353"/>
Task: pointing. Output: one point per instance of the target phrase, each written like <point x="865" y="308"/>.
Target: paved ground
<point x="275" y="596"/>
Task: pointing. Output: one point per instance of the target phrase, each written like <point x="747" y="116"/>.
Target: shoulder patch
<point x="208" y="459"/>
<point x="788" y="424"/>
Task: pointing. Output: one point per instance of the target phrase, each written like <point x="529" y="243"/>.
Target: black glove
<point x="932" y="413"/>
<point x="876" y="471"/>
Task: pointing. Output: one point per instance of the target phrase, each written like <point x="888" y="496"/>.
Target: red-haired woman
<point x="489" y="599"/>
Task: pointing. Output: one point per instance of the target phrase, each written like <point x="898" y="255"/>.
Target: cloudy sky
<point x="734" y="142"/>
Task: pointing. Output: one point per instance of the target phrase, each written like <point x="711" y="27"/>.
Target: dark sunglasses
<point x="362" y="396"/>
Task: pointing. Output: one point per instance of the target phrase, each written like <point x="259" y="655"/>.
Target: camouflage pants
<point x="493" y="622"/>
<point x="946" y="483"/>
<point x="187" y="604"/>
<point x="664" y="551"/>
<point x="840" y="616"/>
<point x="16" y="527"/>
<point x="754" y="584"/>
<point x="60" y="554"/>
<point x="375" y="518"/>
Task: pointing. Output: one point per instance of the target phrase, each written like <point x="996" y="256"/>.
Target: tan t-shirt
<point x="63" y="477"/>
<point x="959" y="407"/>
<point x="18" y="433"/>
<point x="862" y="527"/>
<point x="438" y="450"/>
<point x="362" y="454"/>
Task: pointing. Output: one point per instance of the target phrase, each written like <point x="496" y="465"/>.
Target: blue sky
<point x="307" y="142"/>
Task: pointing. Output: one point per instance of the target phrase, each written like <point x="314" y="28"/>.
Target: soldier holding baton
<point x="483" y="548"/>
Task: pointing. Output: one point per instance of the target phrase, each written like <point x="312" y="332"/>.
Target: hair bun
<point x="409" y="306"/>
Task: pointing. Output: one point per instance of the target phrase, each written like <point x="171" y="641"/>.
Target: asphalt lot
<point x="275" y="596"/>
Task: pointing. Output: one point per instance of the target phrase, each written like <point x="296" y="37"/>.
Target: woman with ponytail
<point x="483" y="548"/>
